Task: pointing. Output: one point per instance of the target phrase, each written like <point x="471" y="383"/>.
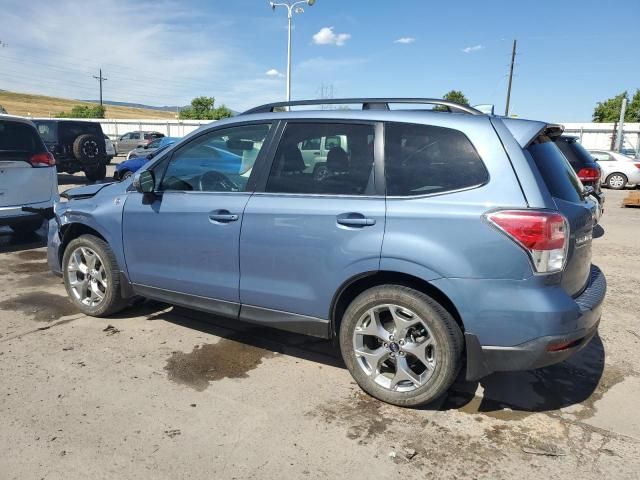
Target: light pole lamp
<point x="292" y="7"/>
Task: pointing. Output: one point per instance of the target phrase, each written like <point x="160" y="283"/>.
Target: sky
<point x="571" y="54"/>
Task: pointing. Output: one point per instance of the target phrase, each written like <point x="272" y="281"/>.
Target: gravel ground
<point x="161" y="392"/>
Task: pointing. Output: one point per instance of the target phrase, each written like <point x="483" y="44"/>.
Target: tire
<point x="25" y="228"/>
<point x="96" y="173"/>
<point x="320" y="172"/>
<point x="89" y="149"/>
<point x="126" y="174"/>
<point x="104" y="277"/>
<point x="433" y="325"/>
<point x="617" y="181"/>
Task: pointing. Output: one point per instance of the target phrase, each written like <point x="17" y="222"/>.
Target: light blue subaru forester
<point x="424" y="240"/>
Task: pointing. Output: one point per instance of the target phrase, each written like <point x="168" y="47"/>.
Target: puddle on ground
<point x="40" y="306"/>
<point x="30" y="267"/>
<point x="211" y="362"/>
<point x="38" y="281"/>
<point x="32" y="255"/>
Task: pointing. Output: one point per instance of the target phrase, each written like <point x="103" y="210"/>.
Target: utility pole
<point x="100" y="79"/>
<point x="513" y="60"/>
<point x="623" y="111"/>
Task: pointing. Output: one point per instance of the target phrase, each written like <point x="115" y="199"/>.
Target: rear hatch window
<point x="560" y="178"/>
<point x="18" y="141"/>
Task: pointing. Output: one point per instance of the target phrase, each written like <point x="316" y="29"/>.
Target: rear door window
<point x="423" y="159"/>
<point x="346" y="171"/>
<point x="560" y="178"/>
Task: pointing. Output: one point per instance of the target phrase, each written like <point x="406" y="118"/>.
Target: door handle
<point x="355" y="220"/>
<point x="223" y="216"/>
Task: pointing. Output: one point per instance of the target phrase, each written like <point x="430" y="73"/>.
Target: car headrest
<point x="292" y="159"/>
<point x="338" y="160"/>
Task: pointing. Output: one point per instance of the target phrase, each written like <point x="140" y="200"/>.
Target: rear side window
<point x="421" y="159"/>
<point x="576" y="154"/>
<point x="556" y="171"/>
<point x="17" y="138"/>
<point x="345" y="169"/>
<point x="48" y="131"/>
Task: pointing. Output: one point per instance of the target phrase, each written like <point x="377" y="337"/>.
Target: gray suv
<point x="436" y="241"/>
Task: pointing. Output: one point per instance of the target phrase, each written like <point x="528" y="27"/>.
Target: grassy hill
<point x="40" y="106"/>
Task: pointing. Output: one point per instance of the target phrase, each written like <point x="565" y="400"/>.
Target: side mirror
<point x="145" y="182"/>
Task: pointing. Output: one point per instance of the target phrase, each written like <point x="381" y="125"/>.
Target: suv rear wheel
<point x="400" y="345"/>
<point x="91" y="277"/>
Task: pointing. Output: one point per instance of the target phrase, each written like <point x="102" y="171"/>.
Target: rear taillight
<point x="44" y="159"/>
<point x="589" y="174"/>
<point x="637" y="165"/>
<point x="543" y="235"/>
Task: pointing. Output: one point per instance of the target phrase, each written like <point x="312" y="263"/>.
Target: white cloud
<point x="326" y="36"/>
<point x="405" y="40"/>
<point x="473" y="48"/>
<point x="273" y="73"/>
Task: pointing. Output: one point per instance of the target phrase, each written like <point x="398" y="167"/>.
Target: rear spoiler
<point x="526" y="131"/>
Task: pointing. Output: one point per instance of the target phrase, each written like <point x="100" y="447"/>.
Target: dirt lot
<point x="160" y="392"/>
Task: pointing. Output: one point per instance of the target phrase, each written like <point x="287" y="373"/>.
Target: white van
<point x="28" y="176"/>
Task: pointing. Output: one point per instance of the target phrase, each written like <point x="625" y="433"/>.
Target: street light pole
<point x="291" y="9"/>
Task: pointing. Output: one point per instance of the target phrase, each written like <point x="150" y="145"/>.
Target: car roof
<point x="14" y="118"/>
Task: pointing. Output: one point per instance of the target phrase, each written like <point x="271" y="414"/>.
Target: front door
<point x="182" y="244"/>
<point x="303" y="236"/>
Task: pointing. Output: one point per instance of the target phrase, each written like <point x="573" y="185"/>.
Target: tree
<point x="2" y="110"/>
<point x="203" y="108"/>
<point x="609" y="110"/>
<point x="84" y="111"/>
<point x="456" y="96"/>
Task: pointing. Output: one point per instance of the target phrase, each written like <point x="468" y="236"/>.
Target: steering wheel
<point x="215" y="181"/>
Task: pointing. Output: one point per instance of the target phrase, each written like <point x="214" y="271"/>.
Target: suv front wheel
<point x="400" y="345"/>
<point x="96" y="173"/>
<point x="91" y="276"/>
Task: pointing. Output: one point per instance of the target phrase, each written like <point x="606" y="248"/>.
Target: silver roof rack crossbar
<point x="367" y="104"/>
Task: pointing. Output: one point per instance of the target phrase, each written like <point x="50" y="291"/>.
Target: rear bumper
<point x="15" y="215"/>
<point x="545" y="350"/>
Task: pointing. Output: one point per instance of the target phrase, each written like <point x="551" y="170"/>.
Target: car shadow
<point x="507" y="393"/>
<point x="545" y="389"/>
<point x="314" y="349"/>
<point x="12" y="242"/>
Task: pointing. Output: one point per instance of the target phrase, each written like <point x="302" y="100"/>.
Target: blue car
<point x="135" y="162"/>
<point x="438" y="240"/>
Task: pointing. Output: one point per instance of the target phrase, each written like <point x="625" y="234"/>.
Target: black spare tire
<point x="89" y="148"/>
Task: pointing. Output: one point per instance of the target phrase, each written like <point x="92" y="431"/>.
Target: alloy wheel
<point x="395" y="347"/>
<point x="87" y="276"/>
<point x="616" y="181"/>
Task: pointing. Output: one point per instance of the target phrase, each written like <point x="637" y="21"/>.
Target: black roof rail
<point x="367" y="104"/>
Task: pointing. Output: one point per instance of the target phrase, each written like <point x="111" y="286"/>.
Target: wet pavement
<point x="164" y="392"/>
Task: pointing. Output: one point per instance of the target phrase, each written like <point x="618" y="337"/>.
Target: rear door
<point x="20" y="182"/>
<point x="567" y="192"/>
<point x="303" y="236"/>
